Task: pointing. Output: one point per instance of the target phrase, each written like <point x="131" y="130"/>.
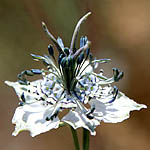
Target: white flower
<point x="69" y="83"/>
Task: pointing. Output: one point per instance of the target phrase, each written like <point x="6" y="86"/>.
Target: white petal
<point x="77" y="120"/>
<point x="67" y="101"/>
<point x="89" y="69"/>
<point x="118" y="110"/>
<point x="35" y="122"/>
<point x="67" y="104"/>
<point x="28" y="90"/>
<point x="38" y="106"/>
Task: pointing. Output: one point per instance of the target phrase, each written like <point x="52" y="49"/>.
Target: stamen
<point x="54" y="112"/>
<point x="32" y="72"/>
<point x="78" y="52"/>
<point x="81" y="106"/>
<point x="89" y="113"/>
<point x="37" y="57"/>
<point x="36" y="71"/>
<point x="115" y="92"/>
<point x="95" y="61"/>
<point x="117" y="74"/>
<point x="104" y="80"/>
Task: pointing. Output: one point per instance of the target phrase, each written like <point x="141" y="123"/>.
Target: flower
<point x="69" y="82"/>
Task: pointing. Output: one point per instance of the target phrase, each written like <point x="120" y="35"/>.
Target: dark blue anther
<point x="90" y="116"/>
<point x="47" y="119"/>
<point x="117" y="74"/>
<point x="115" y="92"/>
<point x="23" y="97"/>
<point x="87" y="51"/>
<point x="83" y="41"/>
<point x="120" y="76"/>
<point x="22" y="82"/>
<point x="78" y="97"/>
<point x="50" y="50"/>
<point x="36" y="71"/>
<point x="91" y="57"/>
<point x="80" y="83"/>
<point x="19" y="76"/>
<point x="53" y="116"/>
<point x="60" y="58"/>
<point x="21" y="103"/>
<point x="28" y="73"/>
<point x="80" y="58"/>
<point x="92" y="110"/>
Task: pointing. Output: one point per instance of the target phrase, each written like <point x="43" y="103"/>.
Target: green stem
<point x="75" y="138"/>
<point x="85" y="139"/>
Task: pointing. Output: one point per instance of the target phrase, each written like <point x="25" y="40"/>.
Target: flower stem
<point x="75" y="138"/>
<point x="85" y="139"/>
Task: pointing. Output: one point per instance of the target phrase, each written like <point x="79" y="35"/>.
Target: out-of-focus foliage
<point x="118" y="29"/>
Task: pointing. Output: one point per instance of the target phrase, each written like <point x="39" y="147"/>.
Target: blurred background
<point x="118" y="29"/>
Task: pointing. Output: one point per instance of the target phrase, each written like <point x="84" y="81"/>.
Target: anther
<point x="50" y="50"/>
<point x="23" y="97"/>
